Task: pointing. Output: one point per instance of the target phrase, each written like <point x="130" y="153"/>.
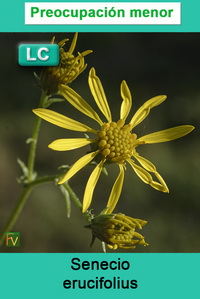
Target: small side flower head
<point x="117" y="230"/>
<point x="69" y="68"/>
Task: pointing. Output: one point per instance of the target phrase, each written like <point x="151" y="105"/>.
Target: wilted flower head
<point x="113" y="142"/>
<point x="68" y="69"/>
<point x="117" y="230"/>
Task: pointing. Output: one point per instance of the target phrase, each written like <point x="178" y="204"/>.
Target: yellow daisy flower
<point x="69" y="68"/>
<point x="117" y="231"/>
<point x="114" y="142"/>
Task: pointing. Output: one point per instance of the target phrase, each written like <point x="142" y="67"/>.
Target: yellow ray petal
<point x="145" y="163"/>
<point x="73" y="43"/>
<point x="99" y="95"/>
<point x="149" y="166"/>
<point x="93" y="179"/>
<point x="78" y="102"/>
<point x="69" y="144"/>
<point x="147" y="178"/>
<point x="116" y="191"/>
<point x="162" y="186"/>
<point x="167" y="135"/>
<point x="77" y="166"/>
<point x="127" y="101"/>
<point x="143" y="174"/>
<point x="144" y="110"/>
<point x="61" y="120"/>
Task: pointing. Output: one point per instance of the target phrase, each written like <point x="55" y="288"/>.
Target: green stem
<point x="34" y="182"/>
<point x="42" y="180"/>
<point x="21" y="202"/>
<point x="15" y="214"/>
<point x="34" y="139"/>
<point x="24" y="196"/>
<point x="31" y="160"/>
<point x="73" y="196"/>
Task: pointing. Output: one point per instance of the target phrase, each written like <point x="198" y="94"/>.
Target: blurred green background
<point x="152" y="64"/>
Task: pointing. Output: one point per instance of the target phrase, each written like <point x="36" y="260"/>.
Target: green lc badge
<point x="38" y="54"/>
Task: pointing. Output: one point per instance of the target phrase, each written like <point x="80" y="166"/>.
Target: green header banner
<point x="120" y="16"/>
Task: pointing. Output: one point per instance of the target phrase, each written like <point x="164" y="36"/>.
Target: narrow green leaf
<point x="65" y="193"/>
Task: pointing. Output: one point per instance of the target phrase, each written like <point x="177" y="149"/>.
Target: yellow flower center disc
<point x="116" y="142"/>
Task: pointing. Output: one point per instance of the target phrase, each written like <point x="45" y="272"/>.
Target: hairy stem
<point x="34" y="139"/>
<point x="31" y="161"/>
